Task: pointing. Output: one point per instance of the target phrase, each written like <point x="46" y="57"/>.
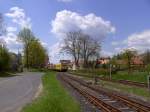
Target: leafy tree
<point x="146" y="57"/>
<point x="37" y="54"/>
<point x="34" y="53"/>
<point x="128" y="55"/>
<point x="4" y="58"/>
<point x="26" y="36"/>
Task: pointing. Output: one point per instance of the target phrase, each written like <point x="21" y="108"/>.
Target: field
<point x="120" y="75"/>
<point x="54" y="98"/>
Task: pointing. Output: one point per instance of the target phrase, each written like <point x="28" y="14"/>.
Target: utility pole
<point x="148" y="81"/>
<point x="110" y="71"/>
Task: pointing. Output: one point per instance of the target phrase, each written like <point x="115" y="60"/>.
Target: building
<point x="103" y="60"/>
<point x="137" y="60"/>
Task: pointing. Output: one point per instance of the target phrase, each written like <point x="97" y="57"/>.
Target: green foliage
<point x="146" y="56"/>
<point x="54" y="98"/>
<point x="34" y="53"/>
<point x="37" y="54"/>
<point x="4" y="58"/>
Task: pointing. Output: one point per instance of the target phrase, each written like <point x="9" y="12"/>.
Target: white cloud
<point x="11" y="29"/>
<point x="11" y="41"/>
<point x="19" y="17"/>
<point x="66" y="21"/>
<point x="139" y="41"/>
<point x="64" y="0"/>
<point x="90" y="24"/>
<point x="105" y="53"/>
<point x="55" y="53"/>
<point x="115" y="43"/>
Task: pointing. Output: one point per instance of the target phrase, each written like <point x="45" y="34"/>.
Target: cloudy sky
<point x="119" y="24"/>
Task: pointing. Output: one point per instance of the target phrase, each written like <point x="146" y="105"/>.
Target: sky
<point x="119" y="24"/>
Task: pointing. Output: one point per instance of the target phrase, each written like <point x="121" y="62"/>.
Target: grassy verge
<point x="136" y="91"/>
<point x="145" y="93"/>
<point x="121" y="75"/>
<point x="135" y="76"/>
<point x="54" y="98"/>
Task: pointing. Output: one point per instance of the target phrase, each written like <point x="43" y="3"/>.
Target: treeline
<point x="130" y="60"/>
<point x="34" y="55"/>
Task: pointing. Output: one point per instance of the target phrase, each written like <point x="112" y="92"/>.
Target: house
<point x="137" y="60"/>
<point x="103" y="60"/>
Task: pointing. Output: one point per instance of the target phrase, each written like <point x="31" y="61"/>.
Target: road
<point x="17" y="91"/>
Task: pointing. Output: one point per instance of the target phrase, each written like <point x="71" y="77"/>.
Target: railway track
<point x="91" y="98"/>
<point x="125" y="82"/>
<point x="121" y="103"/>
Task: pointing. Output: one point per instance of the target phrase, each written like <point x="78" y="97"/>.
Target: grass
<point x="121" y="75"/>
<point x="54" y="98"/>
<point x="135" y="76"/>
<point x="145" y="93"/>
<point x="141" y="92"/>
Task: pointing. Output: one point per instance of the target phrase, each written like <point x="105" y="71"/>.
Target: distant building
<point x="137" y="60"/>
<point x="103" y="60"/>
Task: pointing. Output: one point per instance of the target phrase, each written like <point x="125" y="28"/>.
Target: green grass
<point x="54" y="98"/>
<point x="135" y="76"/>
<point x="142" y="92"/>
<point x="127" y="89"/>
<point x="121" y="75"/>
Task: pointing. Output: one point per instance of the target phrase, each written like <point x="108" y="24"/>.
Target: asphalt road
<point x="17" y="91"/>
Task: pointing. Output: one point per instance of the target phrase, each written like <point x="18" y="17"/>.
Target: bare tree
<point x="72" y="45"/>
<point x="89" y="48"/>
<point x="81" y="46"/>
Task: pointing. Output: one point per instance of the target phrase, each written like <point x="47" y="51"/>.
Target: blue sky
<point x="128" y="27"/>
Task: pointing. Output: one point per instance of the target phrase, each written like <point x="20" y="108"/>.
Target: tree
<point x="89" y="48"/>
<point x="4" y="58"/>
<point x="37" y="54"/>
<point x="81" y="46"/>
<point x="72" y="45"/>
<point x="146" y="57"/>
<point x="128" y="55"/>
<point x="26" y="36"/>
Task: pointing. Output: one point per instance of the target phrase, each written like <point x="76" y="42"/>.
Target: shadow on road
<point x="7" y="74"/>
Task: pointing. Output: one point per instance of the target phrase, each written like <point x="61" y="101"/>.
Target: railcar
<point x="61" y="67"/>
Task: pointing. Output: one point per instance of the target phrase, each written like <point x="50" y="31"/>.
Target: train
<point x="63" y="66"/>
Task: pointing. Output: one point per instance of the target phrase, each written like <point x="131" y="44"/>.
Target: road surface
<point x="17" y="91"/>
